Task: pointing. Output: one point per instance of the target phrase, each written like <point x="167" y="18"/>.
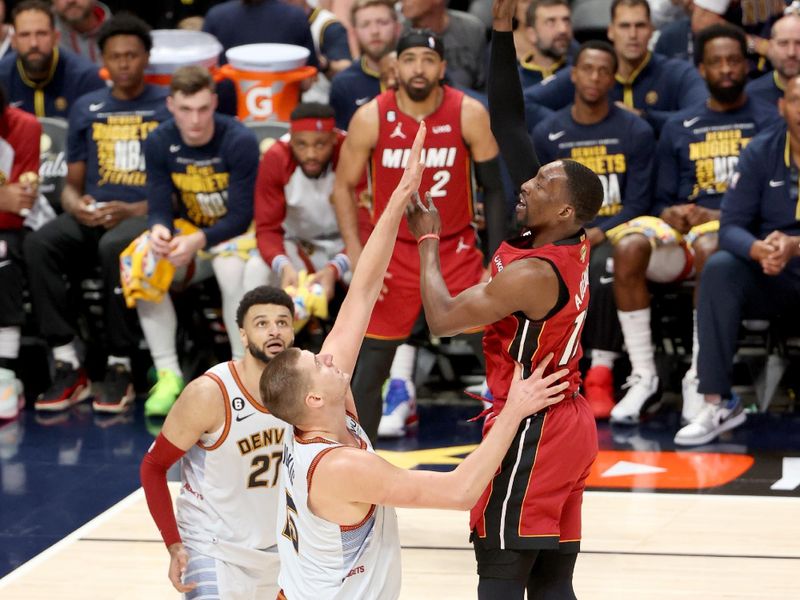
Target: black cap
<point x="420" y="38"/>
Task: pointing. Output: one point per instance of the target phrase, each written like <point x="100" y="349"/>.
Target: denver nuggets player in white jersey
<point x="222" y="544"/>
<point x="337" y="532"/>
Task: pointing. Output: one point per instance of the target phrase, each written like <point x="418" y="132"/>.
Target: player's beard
<point x="257" y="353"/>
<point x="726" y="95"/>
<point x="418" y="94"/>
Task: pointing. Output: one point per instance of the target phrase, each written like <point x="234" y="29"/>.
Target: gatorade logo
<point x="259" y="101"/>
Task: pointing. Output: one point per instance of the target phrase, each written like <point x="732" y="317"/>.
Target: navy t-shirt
<point x="213" y="183"/>
<point x="107" y="134"/>
<point x="353" y="87"/>
<point x="620" y="149"/>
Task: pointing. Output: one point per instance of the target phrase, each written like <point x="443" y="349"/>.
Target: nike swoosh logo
<point x="554" y="136"/>
<point x="16" y="103"/>
<point x="773" y="183"/>
<point x="690" y="122"/>
<point x="174" y="148"/>
<point x="605" y="280"/>
<point x="96" y="107"/>
<point x="362" y="101"/>
<point x="242" y="418"/>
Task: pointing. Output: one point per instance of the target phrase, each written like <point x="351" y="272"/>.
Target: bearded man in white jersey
<point x="222" y="544"/>
<point x="338" y="533"/>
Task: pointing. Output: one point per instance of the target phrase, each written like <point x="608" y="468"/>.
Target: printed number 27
<point x="572" y="343"/>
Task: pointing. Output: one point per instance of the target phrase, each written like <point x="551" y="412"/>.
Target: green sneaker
<point x="163" y="394"/>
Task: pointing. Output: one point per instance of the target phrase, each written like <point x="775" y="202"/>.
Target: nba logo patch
<point x="391" y="117"/>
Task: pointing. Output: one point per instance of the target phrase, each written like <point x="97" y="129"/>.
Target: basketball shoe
<point x="163" y="394"/>
<point x="712" y="420"/>
<point x="598" y="387"/>
<point x="643" y="392"/>
<point x="70" y="386"/>
<point x="117" y="392"/>
<point x="12" y="399"/>
<point x="399" y="408"/>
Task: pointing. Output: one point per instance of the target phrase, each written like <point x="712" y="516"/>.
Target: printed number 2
<point x="572" y="343"/>
<point x="261" y="465"/>
<point x="441" y="178"/>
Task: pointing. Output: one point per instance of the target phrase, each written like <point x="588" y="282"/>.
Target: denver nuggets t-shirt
<point x="214" y="183"/>
<point x="107" y="133"/>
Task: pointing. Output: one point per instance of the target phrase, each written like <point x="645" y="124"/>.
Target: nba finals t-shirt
<point x="107" y="133"/>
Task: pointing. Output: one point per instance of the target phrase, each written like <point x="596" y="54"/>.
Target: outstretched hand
<point x="422" y="219"/>
<point x="502" y="13"/>
<point x="529" y="396"/>
<point x="412" y="175"/>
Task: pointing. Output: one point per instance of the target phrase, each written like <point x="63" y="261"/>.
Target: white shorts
<point x="220" y="580"/>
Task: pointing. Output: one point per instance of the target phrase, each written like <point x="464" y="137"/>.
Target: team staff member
<point x="376" y="29"/>
<point x="339" y="531"/>
<point x="40" y="77"/>
<point x="620" y="148"/>
<point x="784" y="54"/>
<point x="209" y="162"/>
<point x="756" y="272"/>
<point x="648" y="84"/>
<point x="230" y="449"/>
<point x="548" y="28"/>
<point x="105" y="206"/>
<point x="697" y="156"/>
<point x="381" y="134"/>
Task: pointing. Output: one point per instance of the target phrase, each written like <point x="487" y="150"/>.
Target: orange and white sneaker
<point x="598" y="388"/>
<point x="70" y="386"/>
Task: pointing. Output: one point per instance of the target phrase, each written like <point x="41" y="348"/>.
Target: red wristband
<point x="428" y="236"/>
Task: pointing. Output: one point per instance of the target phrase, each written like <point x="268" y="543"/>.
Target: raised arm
<point x="381" y="483"/>
<point x="353" y="158"/>
<point x="344" y="340"/>
<point x="506" y="106"/>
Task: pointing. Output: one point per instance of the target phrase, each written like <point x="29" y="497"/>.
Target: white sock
<point x="9" y="342"/>
<point x="229" y="271"/>
<point x="67" y="354"/>
<point x="695" y="343"/>
<point x="403" y="364"/>
<point x="160" y="325"/>
<point x="604" y="358"/>
<point x="119" y="360"/>
<point x="638" y="340"/>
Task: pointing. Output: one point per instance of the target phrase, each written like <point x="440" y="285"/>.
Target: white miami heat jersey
<point x="229" y="480"/>
<point x="324" y="560"/>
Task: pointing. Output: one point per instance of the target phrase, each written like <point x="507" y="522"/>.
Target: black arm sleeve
<point x="488" y="176"/>
<point x="507" y="110"/>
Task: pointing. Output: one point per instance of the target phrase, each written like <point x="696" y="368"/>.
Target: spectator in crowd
<point x="381" y="133"/>
<point x="6" y="31"/>
<point x="79" y="22"/>
<point x="40" y="77"/>
<point x="331" y="45"/>
<point x="464" y="38"/>
<point x="296" y="227"/>
<point x="697" y="155"/>
<point x="676" y="38"/>
<point x="104" y="204"/>
<point x="376" y="29"/>
<point x="784" y="54"/>
<point x="239" y="22"/>
<point x="620" y="148"/>
<point x="209" y="162"/>
<point x="548" y="29"/>
<point x="648" y="85"/>
<point x="19" y="166"/>
<point x="756" y="272"/>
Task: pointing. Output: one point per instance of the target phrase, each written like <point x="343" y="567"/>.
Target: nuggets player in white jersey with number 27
<point x="222" y="545"/>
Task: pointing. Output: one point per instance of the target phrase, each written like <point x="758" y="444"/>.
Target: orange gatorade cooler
<point x="267" y="79"/>
<point x="175" y="48"/>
